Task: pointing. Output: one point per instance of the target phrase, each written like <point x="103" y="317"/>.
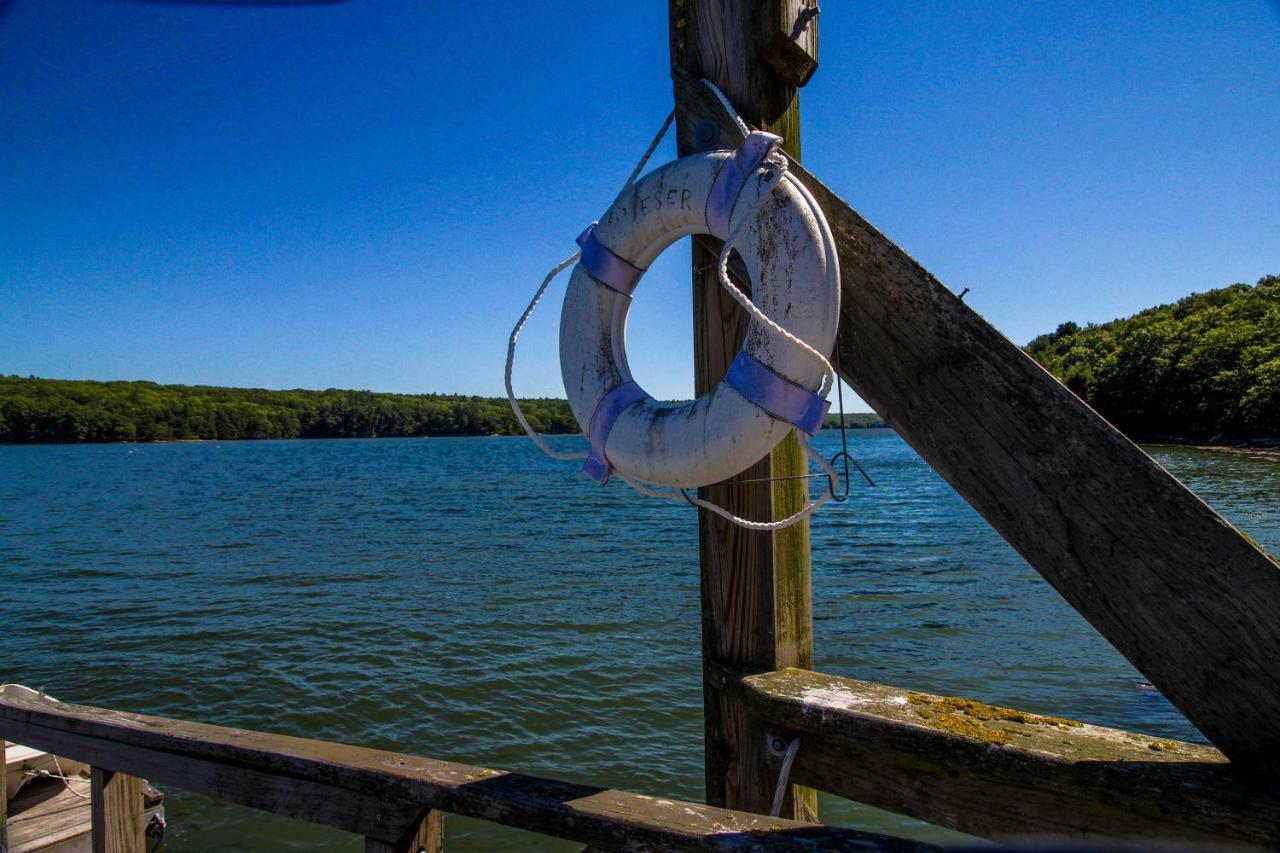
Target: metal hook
<point x="842" y="457"/>
<point x="844" y="442"/>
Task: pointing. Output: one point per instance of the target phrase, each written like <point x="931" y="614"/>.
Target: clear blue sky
<point x="365" y="195"/>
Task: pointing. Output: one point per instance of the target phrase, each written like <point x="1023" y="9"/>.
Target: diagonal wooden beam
<point x="1191" y="602"/>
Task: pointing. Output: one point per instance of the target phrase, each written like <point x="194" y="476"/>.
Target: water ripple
<point x="370" y="592"/>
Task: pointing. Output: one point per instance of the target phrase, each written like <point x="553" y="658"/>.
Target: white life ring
<point x="781" y="235"/>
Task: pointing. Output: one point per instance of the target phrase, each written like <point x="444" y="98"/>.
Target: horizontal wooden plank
<point x="382" y="794"/>
<point x="1002" y="773"/>
<point x="49" y="814"/>
<point x="1175" y="588"/>
<point x="292" y="796"/>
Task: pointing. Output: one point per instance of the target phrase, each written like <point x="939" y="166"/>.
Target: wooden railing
<point x="985" y="770"/>
<point x="1004" y="773"/>
<point x="395" y="801"/>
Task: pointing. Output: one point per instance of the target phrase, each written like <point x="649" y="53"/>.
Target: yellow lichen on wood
<point x="967" y="717"/>
<point x="967" y="727"/>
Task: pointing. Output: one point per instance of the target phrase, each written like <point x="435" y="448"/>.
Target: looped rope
<point x="537" y="297"/>
<point x="828" y="373"/>
<point x="742" y="299"/>
<point x="808" y="510"/>
<point x="511" y="357"/>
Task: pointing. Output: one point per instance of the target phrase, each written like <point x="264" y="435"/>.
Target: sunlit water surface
<point x="468" y="599"/>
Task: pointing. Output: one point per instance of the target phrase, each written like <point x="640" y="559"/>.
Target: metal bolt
<point x="706" y="134"/>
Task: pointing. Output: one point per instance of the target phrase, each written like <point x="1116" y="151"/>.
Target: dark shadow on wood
<point x="1176" y="589"/>
<point x="1002" y="772"/>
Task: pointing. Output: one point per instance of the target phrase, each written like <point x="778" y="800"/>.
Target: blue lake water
<point x="469" y="599"/>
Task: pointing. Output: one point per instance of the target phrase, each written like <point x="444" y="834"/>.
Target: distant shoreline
<point x="60" y="411"/>
<point x="851" y="426"/>
<point x="1243" y="450"/>
<point x="72" y="411"/>
<point x="1256" y="447"/>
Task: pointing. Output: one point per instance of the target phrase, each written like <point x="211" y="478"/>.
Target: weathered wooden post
<point x="426" y="837"/>
<point x="755" y="585"/>
<point x="115" y="810"/>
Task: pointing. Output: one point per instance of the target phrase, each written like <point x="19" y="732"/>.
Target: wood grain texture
<point x="425" y="837"/>
<point x="47" y="815"/>
<point x="1176" y="589"/>
<point x="4" y="800"/>
<point x="115" y="806"/>
<point x="1001" y="773"/>
<point x="756" y="609"/>
<point x="359" y="789"/>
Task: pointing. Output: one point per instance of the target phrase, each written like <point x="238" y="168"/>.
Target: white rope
<point x="741" y="298"/>
<point x="829" y="374"/>
<point x="66" y="780"/>
<point x="784" y="774"/>
<point x="648" y="152"/>
<point x="828" y="378"/>
<point x="728" y="107"/>
<point x="537" y="297"/>
<point x="808" y="510"/>
<point x="511" y="358"/>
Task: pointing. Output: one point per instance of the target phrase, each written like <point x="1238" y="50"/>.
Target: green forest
<point x="1205" y="368"/>
<point x="72" y="411"/>
<point x="52" y="410"/>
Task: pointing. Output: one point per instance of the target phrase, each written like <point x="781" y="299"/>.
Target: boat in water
<point x="47" y="798"/>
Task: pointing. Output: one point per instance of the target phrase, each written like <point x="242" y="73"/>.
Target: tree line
<point x="36" y="410"/>
<point x="51" y="410"/>
<point x="1206" y="367"/>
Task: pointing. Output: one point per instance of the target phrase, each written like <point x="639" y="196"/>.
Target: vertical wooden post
<point x="4" y="800"/>
<point x="426" y="837"/>
<point x="116" y="812"/>
<point x="755" y="585"/>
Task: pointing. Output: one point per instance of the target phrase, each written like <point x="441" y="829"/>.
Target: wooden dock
<point x="1189" y="600"/>
<point x="53" y="816"/>
<point x="994" y="772"/>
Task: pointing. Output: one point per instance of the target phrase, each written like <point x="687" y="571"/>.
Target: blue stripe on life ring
<point x="732" y="177"/>
<point x="611" y="405"/>
<point x="613" y="271"/>
<point x="778" y="396"/>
